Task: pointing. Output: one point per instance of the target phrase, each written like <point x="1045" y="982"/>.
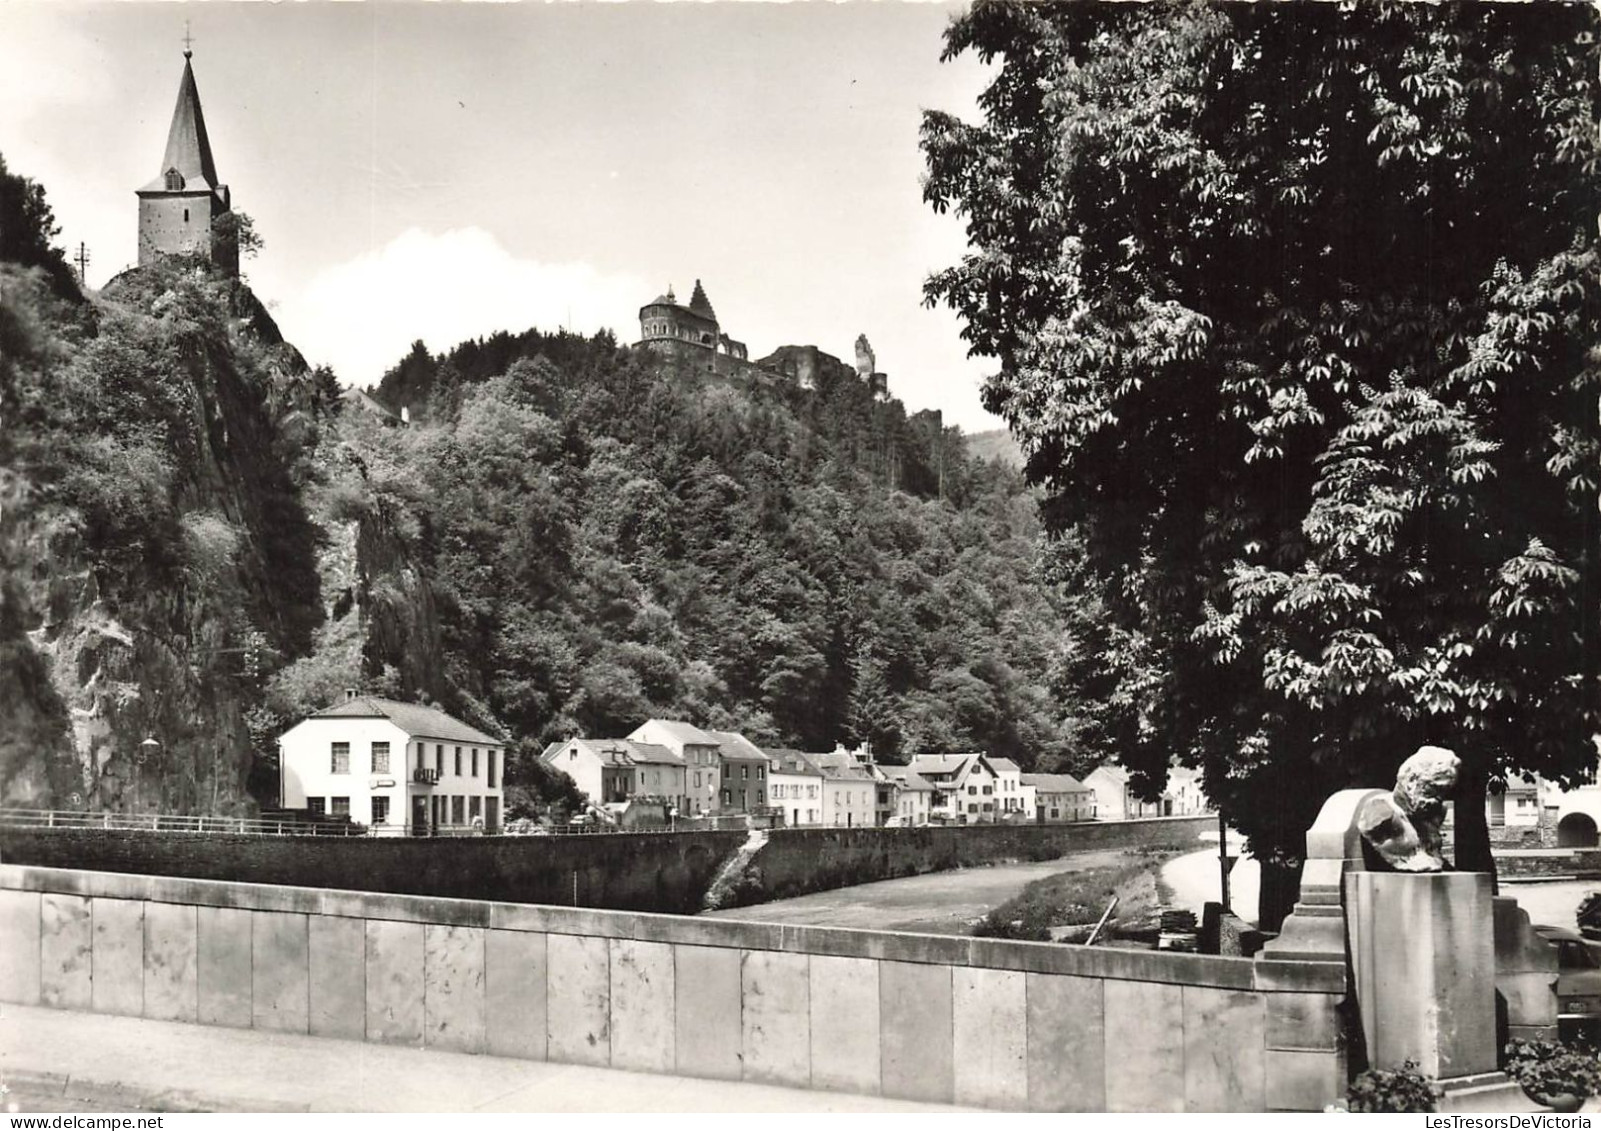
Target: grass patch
<point x="1070" y="898"/>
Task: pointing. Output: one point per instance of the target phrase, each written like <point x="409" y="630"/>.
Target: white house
<point x="913" y="796"/>
<point x="964" y="787"/>
<point x="1014" y="796"/>
<point x="849" y="791"/>
<point x="614" y="770"/>
<point x="796" y="786"/>
<point x="703" y="769"/>
<point x="1061" y="797"/>
<point x="1115" y="800"/>
<point x="395" y="767"/>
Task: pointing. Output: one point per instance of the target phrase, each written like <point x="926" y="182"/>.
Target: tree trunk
<point x="1472" y="826"/>
<point x="1281" y="886"/>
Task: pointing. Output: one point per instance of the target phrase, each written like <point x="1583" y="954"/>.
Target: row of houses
<point x="403" y="767"/>
<point x="700" y="773"/>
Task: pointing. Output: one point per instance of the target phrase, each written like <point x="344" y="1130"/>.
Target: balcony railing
<point x="425" y="777"/>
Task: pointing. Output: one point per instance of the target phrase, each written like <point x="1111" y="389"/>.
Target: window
<point x="489" y="756"/>
<point x="458" y="761"/>
<point x="744" y="773"/>
<point x="380" y="757"/>
<point x="186" y="215"/>
<point x="988" y="791"/>
<point x="972" y="790"/>
<point x="439" y="760"/>
<point x="758" y="797"/>
<point x="316" y="806"/>
<point x="458" y="810"/>
<point x="475" y="761"/>
<point x="971" y="807"/>
<point x="727" y="797"/>
<point x="341" y="806"/>
<point x="473" y="810"/>
<point x="761" y="772"/>
<point x="380" y="810"/>
<point x="697" y="779"/>
<point x="341" y="758"/>
<point x="1055" y="813"/>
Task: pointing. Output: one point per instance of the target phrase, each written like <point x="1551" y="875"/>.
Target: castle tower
<point x="176" y="210"/>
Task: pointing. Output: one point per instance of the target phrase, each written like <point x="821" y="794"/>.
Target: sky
<point x="443" y="171"/>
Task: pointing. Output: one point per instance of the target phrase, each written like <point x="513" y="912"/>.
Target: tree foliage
<point x="1296" y="309"/>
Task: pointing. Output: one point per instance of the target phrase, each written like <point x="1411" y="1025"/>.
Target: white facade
<point x="1014" y="798"/>
<point x="703" y="768"/>
<point x="799" y="795"/>
<point x="394" y="782"/>
<point x="848" y="801"/>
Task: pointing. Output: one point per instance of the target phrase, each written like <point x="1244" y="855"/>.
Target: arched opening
<point x="1576" y="830"/>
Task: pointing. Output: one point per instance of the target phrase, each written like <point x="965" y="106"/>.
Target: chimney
<point x="350" y="694"/>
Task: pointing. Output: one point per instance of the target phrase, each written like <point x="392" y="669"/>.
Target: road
<point x="939" y="903"/>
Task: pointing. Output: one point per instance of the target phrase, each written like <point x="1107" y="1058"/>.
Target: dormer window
<point x="174" y="180"/>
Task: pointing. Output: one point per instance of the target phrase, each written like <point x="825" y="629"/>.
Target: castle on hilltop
<point x="178" y="210"/>
<point x="692" y="340"/>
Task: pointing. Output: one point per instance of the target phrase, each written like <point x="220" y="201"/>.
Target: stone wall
<point x="638" y="872"/>
<point x="799" y="861"/>
<point x="1549" y="863"/>
<point x="984" y="1022"/>
<point x="663" y="872"/>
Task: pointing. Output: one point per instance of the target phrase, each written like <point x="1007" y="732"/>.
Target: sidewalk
<point x="57" y="1061"/>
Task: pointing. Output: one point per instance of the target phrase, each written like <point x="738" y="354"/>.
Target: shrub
<point x="1403" y="1089"/>
<point x="1547" y="1068"/>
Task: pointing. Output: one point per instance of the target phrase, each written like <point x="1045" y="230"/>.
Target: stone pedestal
<point x="1423" y="957"/>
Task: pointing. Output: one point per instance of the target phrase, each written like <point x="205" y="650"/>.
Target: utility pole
<point x="82" y="260"/>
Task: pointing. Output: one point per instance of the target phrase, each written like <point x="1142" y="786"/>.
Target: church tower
<point x="176" y="210"/>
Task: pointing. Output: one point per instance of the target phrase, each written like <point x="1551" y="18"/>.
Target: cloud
<point x="361" y="316"/>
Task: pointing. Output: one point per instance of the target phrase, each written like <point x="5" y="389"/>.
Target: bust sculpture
<point x="1402" y="828"/>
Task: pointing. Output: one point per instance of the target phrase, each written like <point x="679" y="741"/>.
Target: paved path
<point x="58" y="1061"/>
<point x="1195" y="879"/>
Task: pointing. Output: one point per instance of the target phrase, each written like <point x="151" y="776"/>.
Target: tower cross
<point x="188" y="41"/>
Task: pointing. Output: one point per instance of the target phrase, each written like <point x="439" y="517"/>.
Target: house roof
<point x="682" y="731"/>
<point x="910" y="779"/>
<point x="840" y="764"/>
<point x="1005" y="765"/>
<point x="188" y="146"/>
<point x="1056" y="783"/>
<point x="735" y="747"/>
<point x="793" y="762"/>
<point x="1110" y="771"/>
<point x="619" y="752"/>
<point x="413" y="718"/>
<point x="948" y="769"/>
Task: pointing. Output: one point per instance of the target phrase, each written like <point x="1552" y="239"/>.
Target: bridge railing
<point x="173" y="823"/>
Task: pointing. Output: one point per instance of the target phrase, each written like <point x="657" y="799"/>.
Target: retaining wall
<point x="663" y="872"/>
<point x="986" y="1022"/>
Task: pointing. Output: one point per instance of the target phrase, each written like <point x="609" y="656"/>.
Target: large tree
<point x="1296" y="310"/>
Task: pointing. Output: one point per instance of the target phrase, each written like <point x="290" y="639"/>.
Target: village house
<point x="964" y="787"/>
<point x="1014" y="797"/>
<point x="913" y="797"/>
<point x="1060" y="797"/>
<point x="613" y="771"/>
<point x="1116" y="801"/>
<point x="394" y="767"/>
<point x="744" y="773"/>
<point x="848" y="790"/>
<point x="698" y="751"/>
<point x="1185" y="792"/>
<point x="795" y="785"/>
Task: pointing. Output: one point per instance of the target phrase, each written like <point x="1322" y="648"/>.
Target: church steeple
<point x="177" y="209"/>
<point x="188" y="146"/>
